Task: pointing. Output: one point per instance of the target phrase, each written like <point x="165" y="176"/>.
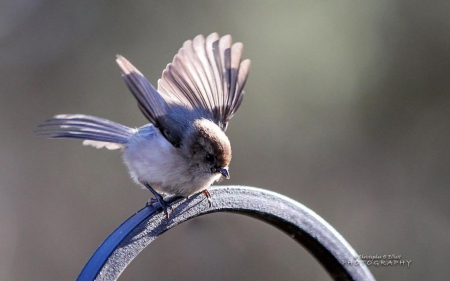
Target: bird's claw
<point x="158" y="199"/>
<point x="208" y="196"/>
<point x="163" y="204"/>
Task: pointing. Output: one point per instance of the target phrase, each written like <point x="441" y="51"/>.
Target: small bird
<point x="184" y="148"/>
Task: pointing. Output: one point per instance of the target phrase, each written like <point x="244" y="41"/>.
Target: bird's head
<point x="208" y="149"/>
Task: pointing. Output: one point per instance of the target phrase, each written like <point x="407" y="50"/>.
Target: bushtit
<point x="184" y="148"/>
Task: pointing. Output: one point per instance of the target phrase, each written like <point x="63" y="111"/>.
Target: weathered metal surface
<point x="300" y="223"/>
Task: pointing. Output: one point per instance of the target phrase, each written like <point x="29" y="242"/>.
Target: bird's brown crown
<point x="206" y="135"/>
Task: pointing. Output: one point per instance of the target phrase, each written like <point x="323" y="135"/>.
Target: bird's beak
<point x="224" y="172"/>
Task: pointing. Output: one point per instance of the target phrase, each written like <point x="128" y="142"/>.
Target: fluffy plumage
<point x="184" y="148"/>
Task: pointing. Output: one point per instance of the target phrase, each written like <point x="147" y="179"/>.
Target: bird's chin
<point x="217" y="177"/>
<point x="219" y="180"/>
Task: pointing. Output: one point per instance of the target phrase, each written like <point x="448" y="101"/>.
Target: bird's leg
<point x="208" y="196"/>
<point x="158" y="198"/>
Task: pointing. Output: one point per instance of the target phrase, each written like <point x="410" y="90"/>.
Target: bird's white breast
<point x="150" y="157"/>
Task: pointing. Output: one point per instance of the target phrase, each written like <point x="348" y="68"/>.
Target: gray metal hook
<point x="300" y="223"/>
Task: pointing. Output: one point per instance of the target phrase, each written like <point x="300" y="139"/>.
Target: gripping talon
<point x="208" y="196"/>
<point x="151" y="201"/>
<point x="158" y="198"/>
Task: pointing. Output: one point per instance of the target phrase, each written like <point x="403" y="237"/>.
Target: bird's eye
<point x="209" y="157"/>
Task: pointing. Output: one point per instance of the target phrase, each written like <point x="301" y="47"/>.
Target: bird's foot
<point x="151" y="201"/>
<point x="208" y="196"/>
<point x="163" y="204"/>
<point x="158" y="199"/>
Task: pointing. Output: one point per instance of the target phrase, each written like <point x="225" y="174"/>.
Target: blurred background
<point x="347" y="111"/>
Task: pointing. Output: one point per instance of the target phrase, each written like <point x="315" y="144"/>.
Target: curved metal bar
<point x="300" y="223"/>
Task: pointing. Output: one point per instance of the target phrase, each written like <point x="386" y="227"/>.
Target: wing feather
<point x="150" y="102"/>
<point x="206" y="78"/>
<point x="208" y="75"/>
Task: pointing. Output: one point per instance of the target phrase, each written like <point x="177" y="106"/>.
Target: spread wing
<point x="208" y="75"/>
<point x="205" y="80"/>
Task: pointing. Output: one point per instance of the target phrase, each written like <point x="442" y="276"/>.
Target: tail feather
<point x="98" y="131"/>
